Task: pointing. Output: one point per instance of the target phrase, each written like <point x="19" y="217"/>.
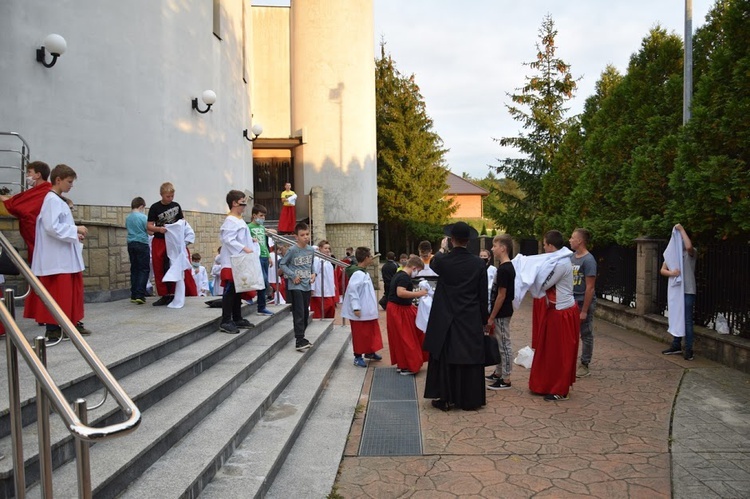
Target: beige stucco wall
<point x="333" y="101"/>
<point x="271" y="98"/>
<point x="469" y="206"/>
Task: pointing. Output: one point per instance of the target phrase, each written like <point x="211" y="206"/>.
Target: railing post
<point x="647" y="259"/>
<point x="42" y="418"/>
<point x="83" y="465"/>
<point x="14" y="399"/>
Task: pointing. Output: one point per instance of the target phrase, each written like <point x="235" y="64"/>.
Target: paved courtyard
<point x="611" y="439"/>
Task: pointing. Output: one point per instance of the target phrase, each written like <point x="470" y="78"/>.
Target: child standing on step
<point x="361" y="307"/>
<point x="58" y="253"/>
<point x="297" y="266"/>
<point x="235" y="239"/>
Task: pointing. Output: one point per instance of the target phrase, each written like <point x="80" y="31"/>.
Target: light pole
<point x="687" y="91"/>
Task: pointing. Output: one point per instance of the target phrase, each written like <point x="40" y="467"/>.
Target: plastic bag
<point x="524" y="357"/>
<point x="246" y="272"/>
<point x="721" y="325"/>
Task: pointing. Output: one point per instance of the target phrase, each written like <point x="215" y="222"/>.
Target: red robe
<point x="404" y="338"/>
<point x="553" y="370"/>
<point x="26" y="206"/>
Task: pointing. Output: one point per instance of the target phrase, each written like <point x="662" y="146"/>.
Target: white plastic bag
<point x="246" y="272"/>
<point x="721" y="325"/>
<point x="524" y="357"/>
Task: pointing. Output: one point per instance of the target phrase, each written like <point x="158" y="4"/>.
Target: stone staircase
<point x="227" y="408"/>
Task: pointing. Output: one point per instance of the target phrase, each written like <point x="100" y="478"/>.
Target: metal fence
<point x="722" y="274"/>
<point x="616" y="274"/>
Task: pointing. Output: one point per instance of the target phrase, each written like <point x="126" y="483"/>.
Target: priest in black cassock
<point x="454" y="336"/>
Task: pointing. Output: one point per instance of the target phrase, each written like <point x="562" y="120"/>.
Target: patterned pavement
<point x="611" y="439"/>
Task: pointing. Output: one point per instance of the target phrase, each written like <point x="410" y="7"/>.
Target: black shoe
<point x="302" y="344"/>
<point x="53" y="334"/>
<point x="499" y="385"/>
<point x="441" y="404"/>
<point x="555" y="398"/>
<point x="492" y="377"/>
<point x="373" y="356"/>
<point x="688" y="355"/>
<point x="672" y="351"/>
<point x="244" y="324"/>
<point x="229" y="327"/>
<point x="164" y="300"/>
<point x="83" y="330"/>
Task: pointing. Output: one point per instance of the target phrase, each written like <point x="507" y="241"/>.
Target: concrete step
<point x="251" y="469"/>
<point x="313" y="462"/>
<point x="181" y="356"/>
<point x="189" y="467"/>
<point x="145" y="386"/>
<point x="126" y="338"/>
<point x="117" y="463"/>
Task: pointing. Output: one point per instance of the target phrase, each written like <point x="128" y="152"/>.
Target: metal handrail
<point x="292" y="242"/>
<point x="72" y="421"/>
<point x="48" y="391"/>
<point x="25" y="154"/>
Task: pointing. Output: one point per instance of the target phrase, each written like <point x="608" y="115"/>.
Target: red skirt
<point x="287" y="219"/>
<point x="553" y="370"/>
<point x="327" y="305"/>
<point x="67" y="291"/>
<point x="366" y="336"/>
<point x="404" y="338"/>
<point x="538" y="313"/>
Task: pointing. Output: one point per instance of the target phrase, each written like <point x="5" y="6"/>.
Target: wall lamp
<point x="209" y="97"/>
<point x="256" y="131"/>
<point x="56" y="45"/>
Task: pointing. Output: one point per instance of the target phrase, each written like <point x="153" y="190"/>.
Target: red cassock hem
<point x="67" y="290"/>
<point x="554" y="368"/>
<point x="287" y="219"/>
<point x="328" y="306"/>
<point x="404" y="338"/>
<point x="538" y="313"/>
<point x="366" y="336"/>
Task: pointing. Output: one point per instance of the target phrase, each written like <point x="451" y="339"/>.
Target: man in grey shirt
<point x="688" y="280"/>
<point x="584" y="282"/>
<point x="297" y="265"/>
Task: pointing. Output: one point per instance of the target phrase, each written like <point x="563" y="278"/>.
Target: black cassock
<point x="455" y="330"/>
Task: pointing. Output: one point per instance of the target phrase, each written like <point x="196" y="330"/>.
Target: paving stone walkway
<point x="611" y="439"/>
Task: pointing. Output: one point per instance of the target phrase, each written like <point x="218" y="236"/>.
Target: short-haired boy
<point x="58" y="253"/>
<point x="258" y="231"/>
<point x="164" y="212"/>
<point x="235" y="239"/>
<point x="297" y="266"/>
<point x="323" y="299"/>
<point x="501" y="298"/>
<point x="136" y="223"/>
<point x="361" y="308"/>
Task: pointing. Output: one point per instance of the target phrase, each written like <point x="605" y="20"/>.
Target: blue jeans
<point x="689" y="306"/>
<point x="262" y="292"/>
<point x="139" y="269"/>
<point x="587" y="333"/>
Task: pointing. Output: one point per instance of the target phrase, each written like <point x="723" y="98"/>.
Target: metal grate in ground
<point x="392" y="421"/>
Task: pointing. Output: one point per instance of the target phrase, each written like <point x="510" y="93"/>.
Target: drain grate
<point x="392" y="421"/>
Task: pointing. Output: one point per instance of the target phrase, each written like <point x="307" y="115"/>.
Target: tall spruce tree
<point x="710" y="183"/>
<point x="411" y="166"/>
<point x="540" y="108"/>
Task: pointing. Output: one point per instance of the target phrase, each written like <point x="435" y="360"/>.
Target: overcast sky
<point x="468" y="55"/>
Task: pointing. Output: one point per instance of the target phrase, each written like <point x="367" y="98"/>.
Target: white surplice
<point x="675" y="286"/>
<point x="57" y="249"/>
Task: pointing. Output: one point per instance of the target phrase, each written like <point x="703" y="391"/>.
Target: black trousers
<point x="300" y="310"/>
<point x="231" y="304"/>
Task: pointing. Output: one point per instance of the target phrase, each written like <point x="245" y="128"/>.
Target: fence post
<point x="646" y="275"/>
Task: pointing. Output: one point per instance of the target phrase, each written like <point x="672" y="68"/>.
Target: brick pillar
<point x="318" y="215"/>
<point x="645" y="282"/>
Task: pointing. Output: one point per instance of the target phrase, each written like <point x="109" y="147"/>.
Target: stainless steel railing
<point x="334" y="261"/>
<point x="48" y="392"/>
